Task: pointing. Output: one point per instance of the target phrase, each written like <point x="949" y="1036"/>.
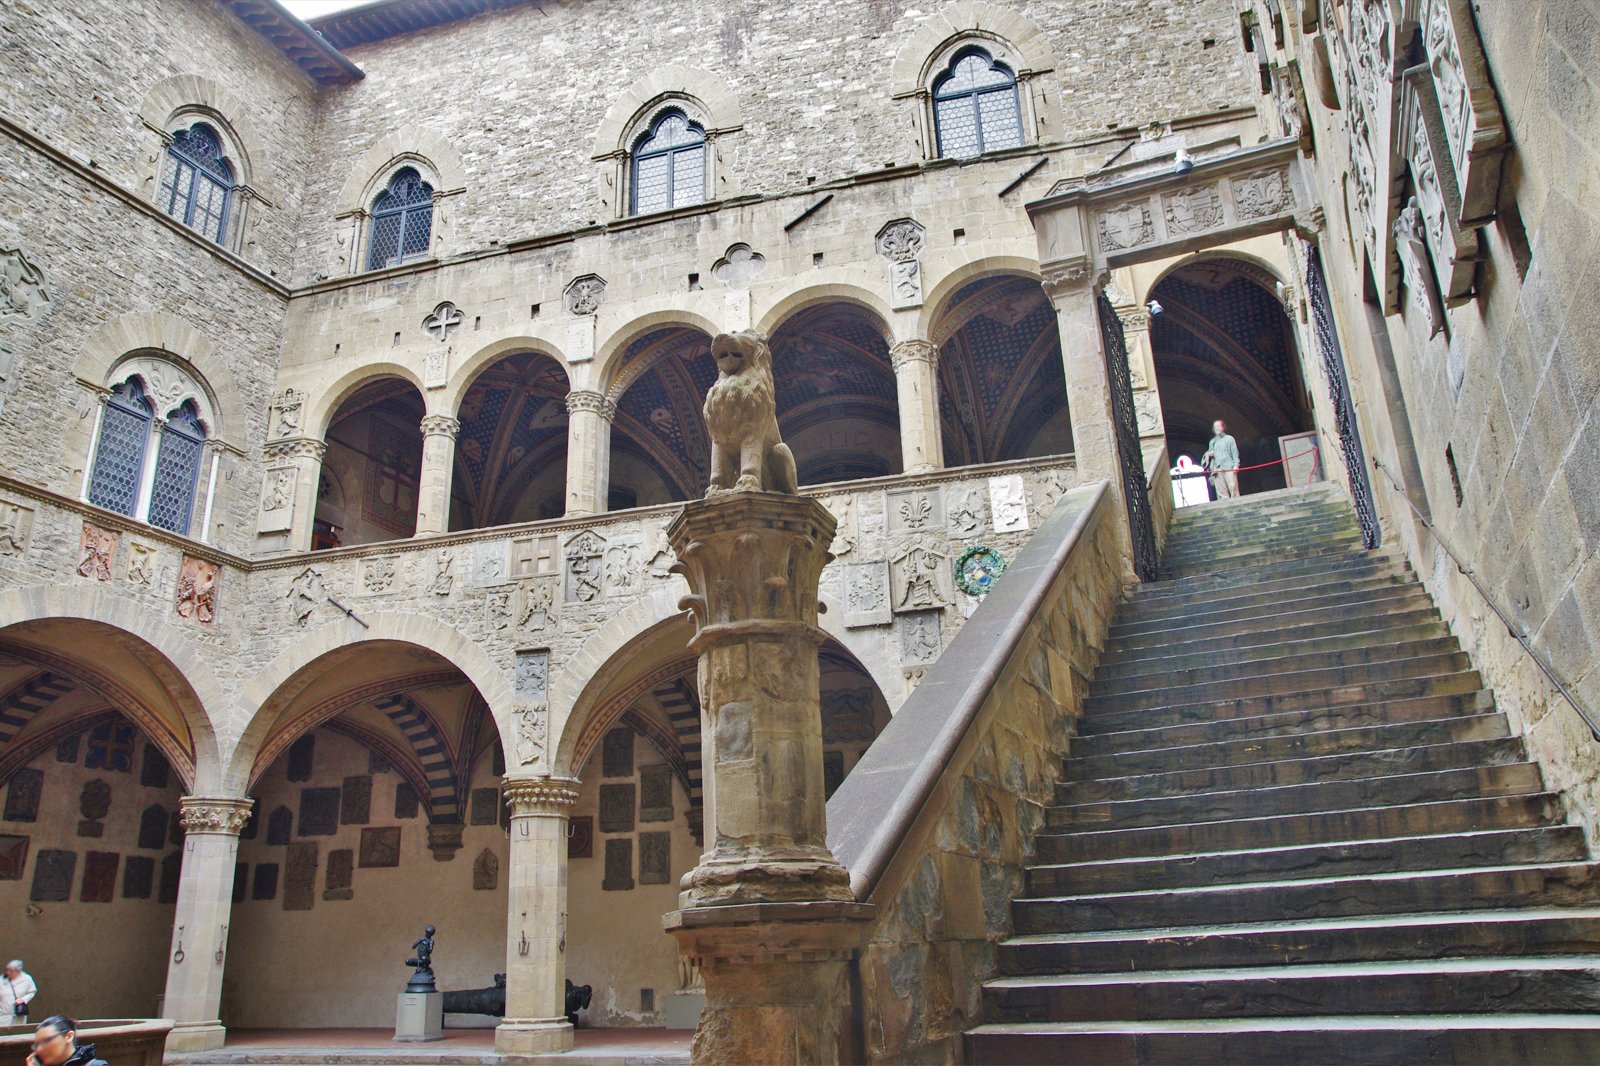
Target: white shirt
<point x="22" y="989"/>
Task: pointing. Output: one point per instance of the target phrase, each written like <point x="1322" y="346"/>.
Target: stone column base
<point x="197" y="1036"/>
<point x="533" y="1036"/>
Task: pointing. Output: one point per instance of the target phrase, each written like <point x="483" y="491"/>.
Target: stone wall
<point x="937" y="821"/>
<point x="1490" y="401"/>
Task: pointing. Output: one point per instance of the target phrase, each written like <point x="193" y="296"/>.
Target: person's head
<point x="14" y="969"/>
<point x="55" y="1039"/>
<point x="1219" y="427"/>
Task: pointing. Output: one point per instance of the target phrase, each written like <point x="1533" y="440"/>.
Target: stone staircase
<point x="1296" y="829"/>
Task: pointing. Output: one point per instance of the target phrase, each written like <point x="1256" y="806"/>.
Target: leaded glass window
<point x="197" y="182"/>
<point x="975" y="106"/>
<point x="177" y="470"/>
<point x="119" y="458"/>
<point x="669" y="164"/>
<point x="402" y="221"/>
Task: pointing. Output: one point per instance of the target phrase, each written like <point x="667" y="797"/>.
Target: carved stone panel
<point x="1263" y="194"/>
<point x="619" y="865"/>
<point x="585" y="555"/>
<point x="23" y="293"/>
<point x="655" y="858"/>
<point x="967" y="511"/>
<point x="300" y="876"/>
<point x="916" y="509"/>
<point x="920" y="639"/>
<point x="406" y="804"/>
<point x="380" y="847"/>
<point x="355" y="802"/>
<point x="1147" y="414"/>
<point x="531" y="689"/>
<point x="319" y="811"/>
<point x="13" y="856"/>
<point x="280" y="826"/>
<point x="919" y="578"/>
<point x="485" y="806"/>
<point x="536" y="605"/>
<point x="486" y="871"/>
<point x="16" y="525"/>
<point x="655" y="794"/>
<point x="99" y="877"/>
<point x="616" y="808"/>
<point x="277" y="499"/>
<point x="22" y="795"/>
<point x="901" y="243"/>
<point x="340" y="876"/>
<point x="1008" y="498"/>
<point x="138" y="877"/>
<point x="616" y="753"/>
<point x="866" y="594"/>
<point x="739" y="267"/>
<point x="265" y="884"/>
<point x="97" y="549"/>
<point x="1192" y="209"/>
<point x="287" y="409"/>
<point x="531" y="556"/>
<point x="491" y="563"/>
<point x="1454" y="250"/>
<point x="197" y="590"/>
<point x="378" y="574"/>
<point x="1473" y="125"/>
<point x="52" y="875"/>
<point x="1126" y="226"/>
<point x="624" y="566"/>
<point x="497" y="609"/>
<point x="1417" y="268"/>
<point x="585" y="294"/>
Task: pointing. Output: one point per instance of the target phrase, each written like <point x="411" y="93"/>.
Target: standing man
<point x="1222" y="459"/>
<point x="22" y="991"/>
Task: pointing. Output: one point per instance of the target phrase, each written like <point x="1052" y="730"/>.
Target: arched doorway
<point x="370" y="472"/>
<point x="1224" y="347"/>
<point x="511" y="449"/>
<point x="1002" y="385"/>
<point x="377" y="788"/>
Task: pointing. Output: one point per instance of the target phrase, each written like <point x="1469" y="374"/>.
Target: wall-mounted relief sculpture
<point x="497" y="608"/>
<point x="919" y="578"/>
<point x="739" y="267"/>
<point x="444" y="572"/>
<point x="584" y="295"/>
<point x="531" y="687"/>
<point x="536" y="604"/>
<point x="486" y="871"/>
<point x="491" y="563"/>
<point x="1147" y="414"/>
<point x="97" y="549"/>
<point x="1262" y="194"/>
<point x="378" y="574"/>
<point x="277" y="499"/>
<point x="658" y="554"/>
<point x="915" y="509"/>
<point x="1126" y="226"/>
<point x="1453" y="250"/>
<point x="978" y="569"/>
<point x="920" y="639"/>
<point x="442" y="321"/>
<point x="585" y="555"/>
<point x="843" y="509"/>
<point x="616" y="753"/>
<point x="16" y="525"/>
<point x="655" y="793"/>
<point x="380" y="847"/>
<point x="142" y="560"/>
<point x="287" y="410"/>
<point x="1192" y="209"/>
<point x="1473" y="124"/>
<point x="1416" y="267"/>
<point x="305" y="594"/>
<point x="23" y="791"/>
<point x="1008" y="498"/>
<point x="339" y="880"/>
<point x="967" y="511"/>
<point x="531" y="556"/>
<point x="94" y="803"/>
<point x="866" y="594"/>
<point x="197" y="590"/>
<point x="23" y="293"/>
<point x="901" y="242"/>
<point x="300" y="877"/>
<point x="623" y="566"/>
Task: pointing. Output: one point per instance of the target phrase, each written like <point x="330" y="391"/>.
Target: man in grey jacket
<point x="1222" y="459"/>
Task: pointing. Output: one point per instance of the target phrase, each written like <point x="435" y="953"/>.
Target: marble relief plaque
<point x="655" y="858"/>
<point x="319" y="811"/>
<point x="486" y="871"/>
<point x="406" y="804"/>
<point x="616" y="753"/>
<point x="355" y="800"/>
<point x="13" y="856"/>
<point x="380" y="847"/>
<point x="99" y="877"/>
<point x="916" y="509"/>
<point x="22" y="795"/>
<point x="52" y="875"/>
<point x="655" y="797"/>
<point x="1008" y="499"/>
<point x="866" y="594"/>
<point x="340" y="875"/>
<point x="485" y="806"/>
<point x="619" y="864"/>
<point x="138" y="877"/>
<point x="616" y="808"/>
<point x="300" y="876"/>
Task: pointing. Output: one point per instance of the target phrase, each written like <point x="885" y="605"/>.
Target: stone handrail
<point x="1158" y="476"/>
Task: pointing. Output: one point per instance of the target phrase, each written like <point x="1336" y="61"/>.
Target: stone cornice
<point x="547" y="796"/>
<point x="214" y="814"/>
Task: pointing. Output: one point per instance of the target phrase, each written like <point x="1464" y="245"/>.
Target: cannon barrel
<point x="490" y="1001"/>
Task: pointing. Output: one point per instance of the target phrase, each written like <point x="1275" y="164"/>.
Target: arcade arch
<point x="511" y="447"/>
<point x="372" y="466"/>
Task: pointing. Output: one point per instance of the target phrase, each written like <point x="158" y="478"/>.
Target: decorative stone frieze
<point x="539" y="797"/>
<point x="1473" y="125"/>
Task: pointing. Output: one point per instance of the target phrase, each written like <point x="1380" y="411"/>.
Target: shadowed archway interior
<point x="371" y="471"/>
<point x="511" y="449"/>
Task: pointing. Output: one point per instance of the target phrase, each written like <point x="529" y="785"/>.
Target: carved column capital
<point x="1070" y="277"/>
<point x="593" y="402"/>
<point x="214" y="814"/>
<point x="296" y="448"/>
<point x="1134" y="318"/>
<point x="915" y="350"/>
<point x="551" y="797"/>
<point x="440" y="426"/>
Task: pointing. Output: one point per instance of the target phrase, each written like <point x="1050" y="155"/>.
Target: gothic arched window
<point x="197" y="182"/>
<point x="975" y="106"/>
<point x="402" y="221"/>
<point x="669" y="164"/>
<point x="123" y="477"/>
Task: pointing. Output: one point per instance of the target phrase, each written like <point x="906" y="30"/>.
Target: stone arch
<point x="610" y="352"/>
<point x="326" y="404"/>
<point x="178" y="341"/>
<point x="172" y="659"/>
<point x="801" y="296"/>
<point x="448" y="399"/>
<point x="970" y="21"/>
<point x="1254" y="267"/>
<point x="664" y="86"/>
<point x="409" y="145"/>
<point x="952" y="281"/>
<point x="191" y="94"/>
<point x="274" y="687"/>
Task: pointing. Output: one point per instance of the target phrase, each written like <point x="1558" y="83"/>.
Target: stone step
<point x="1163" y="752"/>
<point x="1320" y="1040"/>
<point x="1354" y="606"/>
<point x="1345" y="795"/>
<point x="1284" y="773"/>
<point x="1424" y="624"/>
<point x="1181" y="615"/>
<point x="1261" y="662"/>
<point x="1413" y="986"/>
<point x="1252" y="560"/>
<point x="1259" y="546"/>
<point x="1453" y="815"/>
<point x="1268" y="684"/>
<point x="1333" y="562"/>
<point x="1483" y="888"/>
<point x="1286" y="588"/>
<point x="1550" y="931"/>
<point x="1495" y="847"/>
<point x="1105" y="720"/>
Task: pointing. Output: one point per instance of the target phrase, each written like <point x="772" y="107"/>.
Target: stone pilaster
<point x="768" y="913"/>
<point x="200" y="926"/>
<point x="536" y="926"/>
<point x="438" y="463"/>
<point x="305" y="455"/>
<point x="916" y="378"/>
<point x="589" y="417"/>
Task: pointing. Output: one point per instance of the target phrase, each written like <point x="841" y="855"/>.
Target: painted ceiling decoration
<point x="1000" y="372"/>
<point x="516" y="411"/>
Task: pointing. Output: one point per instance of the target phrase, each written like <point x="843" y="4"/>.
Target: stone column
<point x="536" y="926"/>
<point x="305" y="455"/>
<point x="916" y="378"/>
<point x="768" y="915"/>
<point x="200" y="927"/>
<point x="438" y="464"/>
<point x="589" y="417"/>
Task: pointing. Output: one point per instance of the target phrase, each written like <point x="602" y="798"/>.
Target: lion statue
<point x="747" y="455"/>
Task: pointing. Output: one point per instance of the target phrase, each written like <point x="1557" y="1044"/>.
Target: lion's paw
<point x="747" y="483"/>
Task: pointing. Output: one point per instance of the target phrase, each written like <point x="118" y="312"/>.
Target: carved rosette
<point x="597" y="403"/>
<point x="440" y="426"/>
<point x="214" y="814"/>
<point x="297" y="448"/>
<point x="547" y="797"/>
<point x="914" y="351"/>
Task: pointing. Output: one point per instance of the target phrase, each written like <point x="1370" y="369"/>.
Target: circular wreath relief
<point x="977" y="569"/>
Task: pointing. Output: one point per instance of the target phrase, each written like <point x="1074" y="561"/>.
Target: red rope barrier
<point x="1261" y="466"/>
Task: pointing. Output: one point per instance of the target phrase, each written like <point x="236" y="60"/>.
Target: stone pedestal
<point x="767" y="914"/>
<point x="536" y="924"/>
<point x="200" y="927"/>
<point x="419" y="1017"/>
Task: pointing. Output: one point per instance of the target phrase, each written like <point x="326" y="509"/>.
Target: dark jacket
<point x="83" y="1055"/>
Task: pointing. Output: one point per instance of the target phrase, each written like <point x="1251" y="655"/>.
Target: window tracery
<point x="148" y="451"/>
<point x="975" y="106"/>
<point x="197" y="181"/>
<point x="402" y="221"/>
<point x="669" y="164"/>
